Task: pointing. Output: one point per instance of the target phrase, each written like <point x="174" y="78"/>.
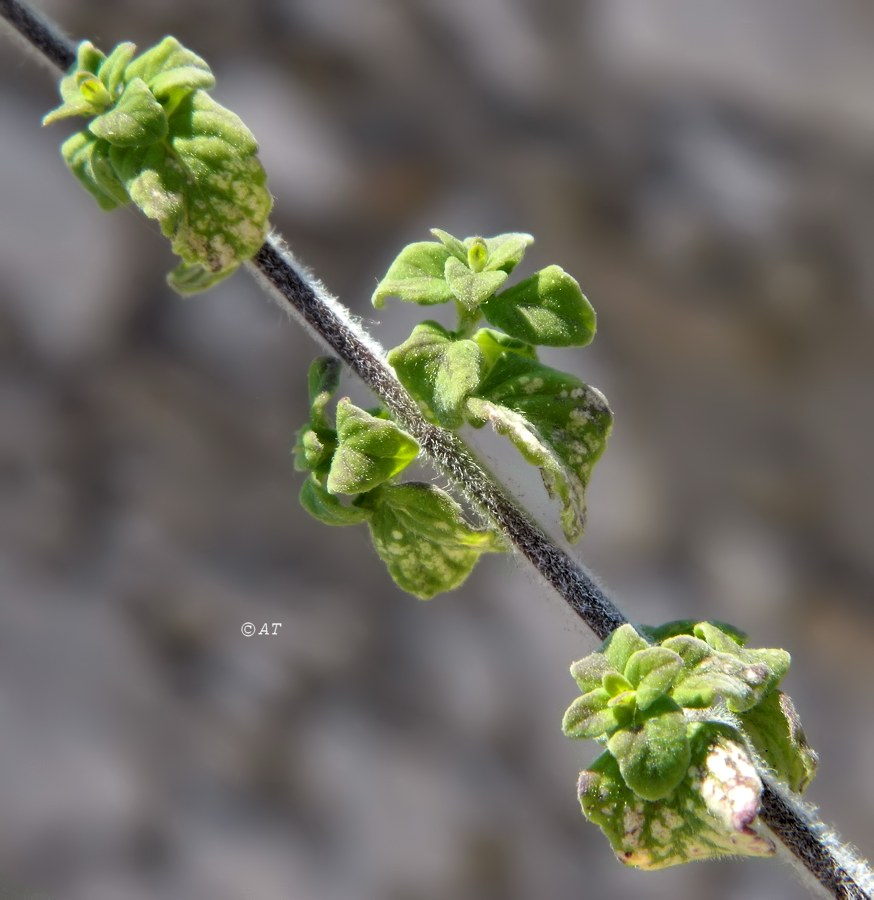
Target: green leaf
<point x="323" y="379"/>
<point x="171" y="71"/>
<point x="653" y="757"/>
<point x="88" y="58"/>
<point x="690" y="649"/>
<point x="438" y="370"/>
<point x="137" y="119"/>
<point x="471" y="288"/>
<point x="589" y="716"/>
<point x="652" y="672"/>
<point x="112" y="69"/>
<point x="452" y="244"/>
<point x="548" y="308"/>
<point x="494" y="344"/>
<point x="416" y="276"/>
<point x="620" y="645"/>
<point x="679" y="828"/>
<point x="589" y="672"/>
<point x="615" y="684"/>
<point x="369" y="451"/>
<point x="687" y="626"/>
<point x="327" y="508"/>
<point x="506" y="250"/>
<point x="718" y="677"/>
<point x="774" y="729"/>
<point x="314" y="450"/>
<point x="420" y="533"/>
<point x="88" y="159"/>
<point x="718" y="638"/>
<point x="556" y="422"/>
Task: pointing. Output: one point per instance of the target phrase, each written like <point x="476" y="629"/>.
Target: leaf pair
<point x="548" y="308"/>
<point x="557" y="422"/>
<point x="418" y="530"/>
<point x="158" y="140"/>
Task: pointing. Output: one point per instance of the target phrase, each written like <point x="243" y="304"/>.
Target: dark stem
<point x="306" y="299"/>
<point x="40" y="32"/>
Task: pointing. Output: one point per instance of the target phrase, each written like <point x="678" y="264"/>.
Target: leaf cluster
<point x="417" y="529"/>
<point x="646" y="696"/>
<point x="476" y="376"/>
<point x="157" y="139"/>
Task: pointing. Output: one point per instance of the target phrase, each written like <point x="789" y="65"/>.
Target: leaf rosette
<point x="156" y="139"/>
<point x="647" y="695"/>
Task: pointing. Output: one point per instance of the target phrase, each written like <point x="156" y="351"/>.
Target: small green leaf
<point x="718" y="638"/>
<point x="88" y="159"/>
<point x="112" y="69"/>
<point x="505" y="251"/>
<point x="93" y="91"/>
<point x="619" y="647"/>
<point x="323" y="379"/>
<point x="314" y="450"/>
<point x="589" y="716"/>
<point x="687" y="626"/>
<point x="679" y="828"/>
<point x="452" y="244"/>
<point x="420" y="533"/>
<point x="589" y="672"/>
<point x="137" y="119"/>
<point x="327" y="508"/>
<point x="718" y="677"/>
<point x="774" y="729"/>
<point x="416" y="276"/>
<point x="369" y="452"/>
<point x="615" y="684"/>
<point x="471" y="288"/>
<point x="690" y="649"/>
<point x="556" y="422"/>
<point x="494" y="344"/>
<point x="171" y="71"/>
<point x="88" y="58"/>
<point x="438" y="370"/>
<point x="477" y="254"/>
<point x="548" y="308"/>
<point x="652" y="672"/>
<point x="653" y="758"/>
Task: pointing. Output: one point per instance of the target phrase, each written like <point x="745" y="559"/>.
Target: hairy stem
<point x="812" y="847"/>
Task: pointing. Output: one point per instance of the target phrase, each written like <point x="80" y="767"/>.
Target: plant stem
<point x="810" y="844"/>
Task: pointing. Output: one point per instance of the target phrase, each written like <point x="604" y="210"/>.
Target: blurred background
<point x="704" y="169"/>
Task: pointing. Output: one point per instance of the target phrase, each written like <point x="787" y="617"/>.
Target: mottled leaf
<point x="438" y="370"/>
<point x="420" y="533"/>
<point x="774" y="729"/>
<point x="679" y="828"/>
<point x="556" y="422"/>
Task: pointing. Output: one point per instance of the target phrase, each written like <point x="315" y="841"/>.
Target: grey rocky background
<point x="705" y="169"/>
